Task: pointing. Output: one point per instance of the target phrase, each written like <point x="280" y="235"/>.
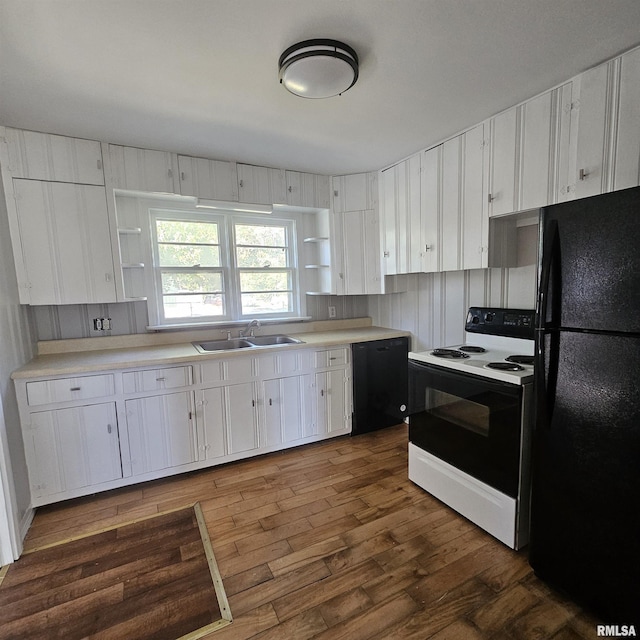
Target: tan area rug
<point x="152" y="578"/>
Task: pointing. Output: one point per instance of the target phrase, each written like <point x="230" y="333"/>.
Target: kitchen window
<point x="218" y="267"/>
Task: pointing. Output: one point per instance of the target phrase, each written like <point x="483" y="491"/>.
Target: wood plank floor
<point x="332" y="540"/>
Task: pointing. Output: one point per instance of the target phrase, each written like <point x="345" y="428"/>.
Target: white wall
<point x="16" y="348"/>
<point x="434" y="305"/>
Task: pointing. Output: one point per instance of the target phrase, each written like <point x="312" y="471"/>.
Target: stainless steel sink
<point x="244" y="343"/>
<point x="222" y="345"/>
<point x="266" y="341"/>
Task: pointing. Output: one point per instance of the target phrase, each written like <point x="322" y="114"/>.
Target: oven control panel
<point x="512" y="323"/>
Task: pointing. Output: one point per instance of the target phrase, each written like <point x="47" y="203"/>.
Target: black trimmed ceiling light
<point x="318" y="68"/>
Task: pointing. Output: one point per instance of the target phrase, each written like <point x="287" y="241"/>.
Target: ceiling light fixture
<point x="318" y="68"/>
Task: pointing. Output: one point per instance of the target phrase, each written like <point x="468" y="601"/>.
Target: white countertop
<point x="74" y="362"/>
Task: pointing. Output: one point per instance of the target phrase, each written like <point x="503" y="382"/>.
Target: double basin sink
<point x="245" y="343"/>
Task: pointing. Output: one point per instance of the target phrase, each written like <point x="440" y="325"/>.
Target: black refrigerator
<point x="585" y="509"/>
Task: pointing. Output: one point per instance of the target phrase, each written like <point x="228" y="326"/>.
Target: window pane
<point x="255" y="303"/>
<point x="261" y="257"/>
<point x="172" y="255"/>
<point x="185" y="231"/>
<point x="193" y="306"/>
<point x="265" y="281"/>
<point x="202" y="282"/>
<point x="254" y="234"/>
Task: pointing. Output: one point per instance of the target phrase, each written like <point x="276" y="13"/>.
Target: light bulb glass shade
<point x="318" y="68"/>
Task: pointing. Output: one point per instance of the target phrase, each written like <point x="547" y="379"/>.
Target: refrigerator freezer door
<point x="590" y="263"/>
<point x="585" y="520"/>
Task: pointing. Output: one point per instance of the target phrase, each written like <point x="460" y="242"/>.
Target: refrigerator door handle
<point x="549" y="250"/>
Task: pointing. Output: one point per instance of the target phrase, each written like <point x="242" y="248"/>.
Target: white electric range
<point x="471" y="419"/>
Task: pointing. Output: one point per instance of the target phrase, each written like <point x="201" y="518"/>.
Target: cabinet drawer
<point x="68" y="389"/>
<point x="156" y="379"/>
<point x="332" y="358"/>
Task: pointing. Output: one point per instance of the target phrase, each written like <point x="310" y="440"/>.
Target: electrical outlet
<point x="102" y="324"/>
<point x="332" y="312"/>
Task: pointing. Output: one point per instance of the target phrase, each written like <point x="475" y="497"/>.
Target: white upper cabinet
<point x="430" y="210"/>
<point x="211" y="179"/>
<point x="454" y="226"/>
<point x="474" y="227"/>
<point x="355" y="192"/>
<point x="65" y="252"/>
<point x="141" y="169"/>
<point x="608" y="135"/>
<point x="261" y="185"/>
<point x="593" y="124"/>
<point x="43" y="156"/>
<point x="627" y="156"/>
<point x="503" y="165"/>
<point x="400" y="214"/>
<point x="361" y="263"/>
<point x="355" y="235"/>
<point x="308" y="190"/>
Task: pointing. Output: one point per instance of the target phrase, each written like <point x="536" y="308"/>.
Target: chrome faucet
<point x="249" y="329"/>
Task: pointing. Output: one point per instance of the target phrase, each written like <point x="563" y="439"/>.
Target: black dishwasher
<point x="380" y="384"/>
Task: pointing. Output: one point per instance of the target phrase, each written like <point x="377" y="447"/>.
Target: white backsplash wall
<point x="76" y="321"/>
<point x="434" y="305"/>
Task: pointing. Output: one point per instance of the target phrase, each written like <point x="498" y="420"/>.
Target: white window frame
<point x="230" y="272"/>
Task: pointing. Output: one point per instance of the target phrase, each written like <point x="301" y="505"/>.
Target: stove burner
<point x="470" y="348"/>
<point x="505" y="366"/>
<point x="448" y="353"/>
<point x="520" y="359"/>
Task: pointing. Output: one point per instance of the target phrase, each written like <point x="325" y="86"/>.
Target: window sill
<point x="227" y="323"/>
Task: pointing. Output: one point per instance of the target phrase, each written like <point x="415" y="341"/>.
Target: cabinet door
<point x="72" y="448"/>
<point x="430" y="197"/>
<point x="593" y="121"/>
<point x="43" y="156"/>
<point x="141" y="169"/>
<point x="475" y="221"/>
<point x="307" y="190"/>
<point x="388" y="228"/>
<point x="627" y="159"/>
<point x="361" y="257"/>
<point x="450" y="211"/>
<point x="211" y="179"/>
<point x="284" y="410"/>
<point x="537" y="151"/>
<point x="355" y="192"/>
<point x="241" y="402"/>
<point x="64" y="232"/>
<point x="161" y="432"/>
<point x="332" y="399"/>
<point x="503" y="163"/>
<point x="213" y="430"/>
<point x="261" y="185"/>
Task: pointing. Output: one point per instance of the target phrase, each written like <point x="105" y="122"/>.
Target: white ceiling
<point x="200" y="76"/>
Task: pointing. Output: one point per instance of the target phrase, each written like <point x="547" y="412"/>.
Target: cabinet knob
<point x="290" y="189"/>
<point x="386" y="254"/>
<point x="109" y="428"/>
<point x="583" y="175"/>
<point x="241" y="183"/>
<point x="490" y="198"/>
<point x="270" y="403"/>
<point x="182" y="176"/>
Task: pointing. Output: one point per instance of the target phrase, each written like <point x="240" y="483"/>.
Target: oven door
<point x="471" y="422"/>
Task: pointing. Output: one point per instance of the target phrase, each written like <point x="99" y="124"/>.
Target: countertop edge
<point x="82" y="362"/>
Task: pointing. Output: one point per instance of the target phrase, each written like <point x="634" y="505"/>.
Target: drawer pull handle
<point x="108" y="428"/>
<point x="159" y="379"/>
<point x="74" y="389"/>
<point x="333" y="358"/>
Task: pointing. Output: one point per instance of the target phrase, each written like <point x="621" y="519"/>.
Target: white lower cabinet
<point x="71" y="448"/>
<point x="95" y="432"/>
<point x="332" y="393"/>
<point x="241" y="405"/>
<point x="161" y="431"/>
